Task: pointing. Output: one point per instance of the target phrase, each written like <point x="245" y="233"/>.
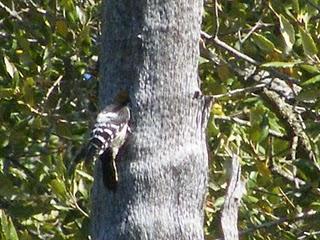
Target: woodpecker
<point x="108" y="135"/>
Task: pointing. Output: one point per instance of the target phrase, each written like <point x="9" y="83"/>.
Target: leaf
<point x="263" y="43"/>
<point x="259" y="120"/>
<point x="308" y="44"/>
<point x="274" y="124"/>
<point x="309" y="94"/>
<point x="213" y="130"/>
<point x="265" y="206"/>
<point x="263" y="168"/>
<point x="25" y="235"/>
<point x="12" y="231"/>
<point x="63" y="129"/>
<point x="23" y="41"/>
<point x="312" y="80"/>
<point x="7" y="227"/>
<point x="62" y="28"/>
<point x="251" y="199"/>
<point x="256" y="115"/>
<point x="296" y="7"/>
<point x="287" y="32"/>
<point x="68" y="5"/>
<point x="11" y="69"/>
<point x="217" y="109"/>
<point x="224" y="72"/>
<point x="219" y="202"/>
<point x="258" y="133"/>
<point x="264" y="126"/>
<point x="60" y="166"/>
<point x="280" y="64"/>
<point x="28" y="91"/>
<point x="7" y="188"/>
<point x="58" y="187"/>
<point x="82" y="188"/>
<point x="6" y="93"/>
<point x="310" y="68"/>
<point x="85" y="175"/>
<point x="81" y="15"/>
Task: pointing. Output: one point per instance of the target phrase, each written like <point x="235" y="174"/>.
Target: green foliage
<point x="283" y="36"/>
<point x="8" y="231"/>
<point x="47" y="93"/>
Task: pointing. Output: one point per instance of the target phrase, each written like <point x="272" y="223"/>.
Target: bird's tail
<point x="109" y="170"/>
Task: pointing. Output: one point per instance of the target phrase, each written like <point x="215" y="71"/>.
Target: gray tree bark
<point x="150" y="49"/>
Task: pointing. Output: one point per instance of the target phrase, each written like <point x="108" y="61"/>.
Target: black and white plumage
<point x="107" y="137"/>
<point x="110" y="130"/>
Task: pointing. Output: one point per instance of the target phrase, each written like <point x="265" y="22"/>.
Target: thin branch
<point x="247" y="124"/>
<point x="293" y="179"/>
<point x="76" y="205"/>
<point x="285" y="197"/>
<point x="17" y="164"/>
<point x="294" y="146"/>
<point x="28" y="173"/>
<point x="240" y="91"/>
<point x="286" y="113"/>
<point x="308" y="234"/>
<point x="32" y="109"/>
<point x="252" y="30"/>
<point x="261" y="190"/>
<point x="293" y="153"/>
<point x="55" y="84"/>
<point x="282" y="220"/>
<point x="216" y="15"/>
<point x="246" y="30"/>
<point x="248" y="59"/>
<point x="13" y="13"/>
<point x="234" y="52"/>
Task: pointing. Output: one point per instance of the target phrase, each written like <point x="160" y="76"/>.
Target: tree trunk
<point x="150" y="49"/>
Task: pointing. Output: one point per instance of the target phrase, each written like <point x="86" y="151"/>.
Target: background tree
<point x="48" y="98"/>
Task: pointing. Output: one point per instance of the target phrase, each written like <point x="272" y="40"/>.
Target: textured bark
<point x="150" y="49"/>
<point x="236" y="188"/>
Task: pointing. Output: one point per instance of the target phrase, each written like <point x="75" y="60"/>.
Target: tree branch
<point x="252" y="30"/>
<point x="13" y="13"/>
<point x="216" y="15"/>
<point x="247" y="124"/>
<point x="293" y="179"/>
<point x="240" y="91"/>
<point x="240" y="55"/>
<point x="300" y="216"/>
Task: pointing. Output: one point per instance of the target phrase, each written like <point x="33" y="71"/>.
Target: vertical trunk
<point x="150" y="48"/>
